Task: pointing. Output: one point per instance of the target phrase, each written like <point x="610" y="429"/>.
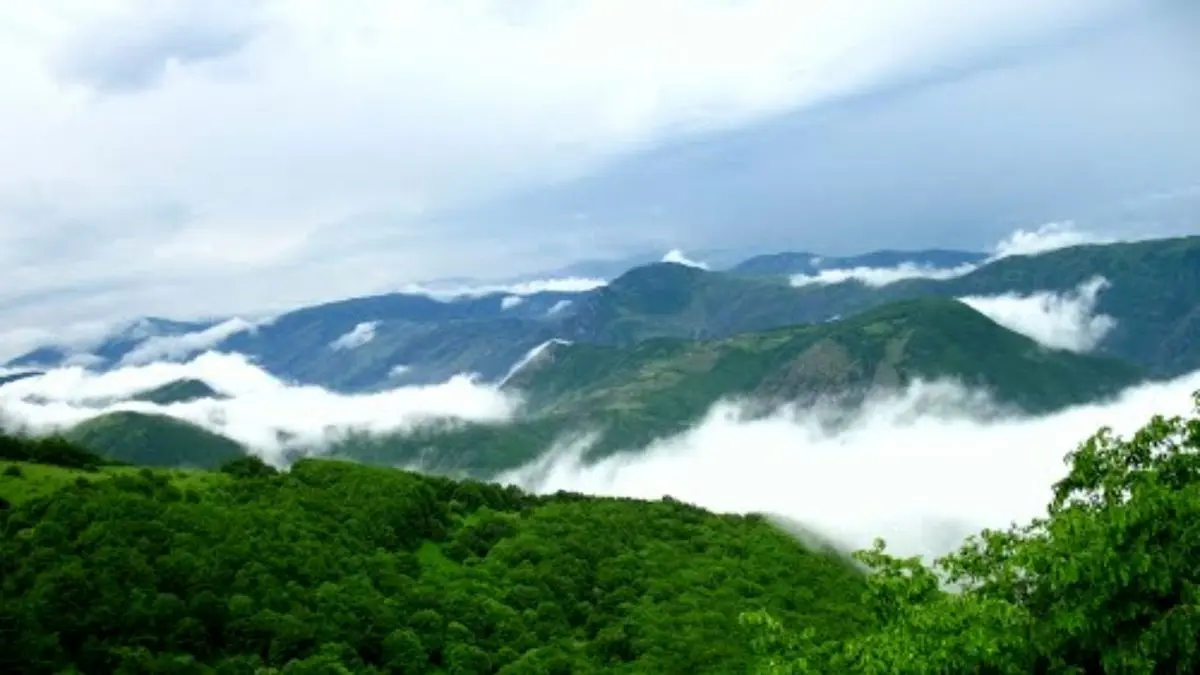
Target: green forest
<point x="335" y="567"/>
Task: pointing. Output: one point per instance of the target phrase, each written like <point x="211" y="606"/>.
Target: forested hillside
<point x="338" y="568"/>
<point x="334" y="567"/>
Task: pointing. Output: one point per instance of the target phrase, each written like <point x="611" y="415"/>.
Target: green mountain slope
<point x="154" y="440"/>
<point x="179" y="391"/>
<point x="662" y="386"/>
<point x="388" y="571"/>
<point x="1154" y="295"/>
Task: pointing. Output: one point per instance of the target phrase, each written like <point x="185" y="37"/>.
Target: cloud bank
<point x="1048" y="237"/>
<point x="262" y="412"/>
<point x="174" y="347"/>
<point x="1059" y="320"/>
<point x="1026" y="242"/>
<point x="452" y="291"/>
<point x="922" y="468"/>
<point x="876" y="277"/>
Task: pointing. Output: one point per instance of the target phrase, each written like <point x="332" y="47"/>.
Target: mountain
<point x="1153" y="293"/>
<point x="376" y="342"/>
<point x="179" y="391"/>
<point x="154" y="440"/>
<point x="672" y="300"/>
<point x="662" y="386"/>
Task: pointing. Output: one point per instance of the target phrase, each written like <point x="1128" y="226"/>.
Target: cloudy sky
<point x="213" y="156"/>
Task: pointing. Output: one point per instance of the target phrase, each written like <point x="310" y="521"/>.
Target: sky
<point x="216" y="157"/>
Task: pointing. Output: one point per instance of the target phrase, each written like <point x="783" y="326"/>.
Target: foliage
<point x="336" y="567"/>
<point x="1105" y="582"/>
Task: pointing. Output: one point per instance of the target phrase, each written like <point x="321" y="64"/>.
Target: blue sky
<point x="213" y="156"/>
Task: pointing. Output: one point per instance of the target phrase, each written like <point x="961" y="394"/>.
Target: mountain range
<point x="370" y="343"/>
<point x="649" y="353"/>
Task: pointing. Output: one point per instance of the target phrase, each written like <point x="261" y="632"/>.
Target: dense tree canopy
<point x="1106" y="582"/>
<point x="334" y="567"/>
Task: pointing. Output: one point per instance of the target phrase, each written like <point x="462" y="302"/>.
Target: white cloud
<point x="398" y="370"/>
<point x="510" y="301"/>
<point x="922" y="469"/>
<point x="458" y="290"/>
<point x="74" y="336"/>
<point x="529" y="357"/>
<point x="676" y="256"/>
<point x="1059" y="320"/>
<point x="361" y="334"/>
<point x="341" y="132"/>
<point x="259" y="406"/>
<point x="558" y="307"/>
<point x="1048" y="237"/>
<point x="881" y="276"/>
<point x="174" y="347"/>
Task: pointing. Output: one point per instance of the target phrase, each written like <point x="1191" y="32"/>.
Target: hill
<point x="388" y="571"/>
<point x="179" y="391"/>
<point x="154" y="440"/>
<point x="662" y="386"/>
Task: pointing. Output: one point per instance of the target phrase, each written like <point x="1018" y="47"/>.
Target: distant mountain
<point x="112" y="349"/>
<point x="662" y="386"/>
<point x="367" y="343"/>
<point x="154" y="440"/>
<point x="672" y="300"/>
<point x="382" y="341"/>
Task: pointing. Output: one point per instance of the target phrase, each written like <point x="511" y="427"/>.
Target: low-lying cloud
<point x="1059" y="320"/>
<point x="447" y="292"/>
<point x="361" y="334"/>
<point x="260" y="410"/>
<point x="175" y="347"/>
<point x="679" y="258"/>
<point x="876" y="277"/>
<point x="1031" y="242"/>
<point x="1048" y="237"/>
<point x="923" y="468"/>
